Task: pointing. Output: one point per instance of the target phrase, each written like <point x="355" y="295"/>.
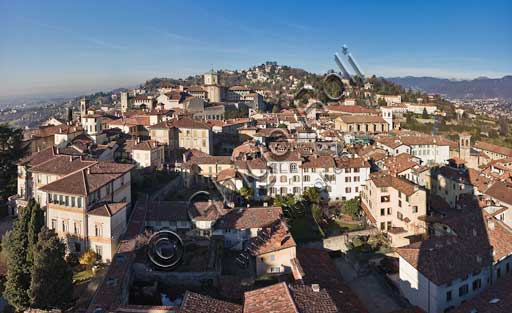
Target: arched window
<point x="293" y="168"/>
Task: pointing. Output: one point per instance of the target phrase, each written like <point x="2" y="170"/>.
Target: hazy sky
<point x="63" y="46"/>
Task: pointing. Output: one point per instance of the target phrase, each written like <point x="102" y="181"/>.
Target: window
<point x="79" y="202"/>
<point x="67" y="201"/>
<point x="389" y="225"/>
<point x="400" y="203"/>
<point x="399" y="215"/>
<point x="99" y="252"/>
<point x="275" y="270"/>
<point x="283" y="179"/>
<point x="61" y="199"/>
<point x="356" y="170"/>
<point x="389" y="211"/>
<point x="357" y="189"/>
<point x="54" y="224"/>
<point x="477" y="284"/>
<point x="76" y="228"/>
<point x="347" y="179"/>
<point x="293" y="168"/>
<point x="306" y="170"/>
<point x="382" y="226"/>
<point x="384" y="199"/>
<point x="97" y="230"/>
<point x="347" y="170"/>
<point x="296" y="190"/>
<point x="65" y="226"/>
<point x="348" y="190"/>
<point x="73" y="202"/>
<point x="463" y="290"/>
<point x="306" y="178"/>
<point x="448" y="296"/>
<point x="295" y="178"/>
<point x="357" y="178"/>
<point x="415" y="209"/>
<point x="284" y="190"/>
<point x="399" y="194"/>
<point x="382" y="212"/>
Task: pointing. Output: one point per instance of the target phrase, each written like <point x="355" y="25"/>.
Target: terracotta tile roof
<point x="258" y="163"/>
<point x="466" y="176"/>
<point x="189" y="123"/>
<point x="385" y="180"/>
<point x="228" y="173"/>
<point x="39" y="157"/>
<point x="474" y="239"/>
<point x="62" y="165"/>
<point x="280" y="238"/>
<point x="350" y="109"/>
<point x="107" y="209"/>
<point x="46" y="131"/>
<point x="239" y="88"/>
<point x="285" y="157"/>
<point x="501" y="192"/>
<point x="319" y="162"/>
<point x="496" y="299"/>
<point x="163" y="125"/>
<point x="197" y="303"/>
<point x="146" y="145"/>
<point x="308" y="300"/>
<point x="399" y="163"/>
<point x="349" y="119"/>
<point x="88" y="180"/>
<point x="318" y="268"/>
<point x="207" y="211"/>
<point x="351" y="163"/>
<point x="272" y="299"/>
<point x="208" y="159"/>
<point x="253" y="217"/>
<point x="485" y="146"/>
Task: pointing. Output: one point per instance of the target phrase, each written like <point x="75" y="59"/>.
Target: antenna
<point x="352" y="61"/>
<point x="341" y="66"/>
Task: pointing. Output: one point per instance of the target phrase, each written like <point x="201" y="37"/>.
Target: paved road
<point x="372" y="291"/>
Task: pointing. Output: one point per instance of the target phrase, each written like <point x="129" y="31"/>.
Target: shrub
<point x="88" y="258"/>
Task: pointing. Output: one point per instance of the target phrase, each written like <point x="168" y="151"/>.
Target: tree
<point x="352" y="207"/>
<point x="311" y="194"/>
<point x="11" y="150"/>
<point x="15" y="245"/>
<point x="382" y="102"/>
<point x="424" y="114"/>
<point x="35" y="225"/>
<point x="88" y="258"/>
<point x="246" y="193"/>
<point x="317" y="213"/>
<point x="52" y="278"/>
<point x="70" y="115"/>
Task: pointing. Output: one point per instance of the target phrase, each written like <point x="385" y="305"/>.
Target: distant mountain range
<point x="481" y="87"/>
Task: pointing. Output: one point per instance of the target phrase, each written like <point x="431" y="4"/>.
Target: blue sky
<point x="74" y="46"/>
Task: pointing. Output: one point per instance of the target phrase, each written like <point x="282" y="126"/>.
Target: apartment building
<point x="193" y="134"/>
<point x="430" y="149"/>
<point x="361" y="124"/>
<point x="88" y="208"/>
<point x="449" y="183"/>
<point x="395" y="206"/>
<point x="468" y="253"/>
<point x="148" y="153"/>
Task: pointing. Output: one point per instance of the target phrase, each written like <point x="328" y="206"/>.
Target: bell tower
<point x="211" y="78"/>
<point x="464" y="146"/>
<point x="84" y="105"/>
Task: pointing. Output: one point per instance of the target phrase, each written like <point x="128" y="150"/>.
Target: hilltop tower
<point x="464" y="146"/>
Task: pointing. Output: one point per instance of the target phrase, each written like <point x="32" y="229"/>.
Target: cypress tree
<point x="34" y="227"/>
<point x="16" y="244"/>
<point x="52" y="278"/>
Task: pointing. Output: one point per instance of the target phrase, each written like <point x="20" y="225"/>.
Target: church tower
<point x="84" y="106"/>
<point x="211" y="78"/>
<point x="464" y="146"/>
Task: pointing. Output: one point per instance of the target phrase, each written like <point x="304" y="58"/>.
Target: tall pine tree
<point x="52" y="278"/>
<point x="15" y="244"/>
